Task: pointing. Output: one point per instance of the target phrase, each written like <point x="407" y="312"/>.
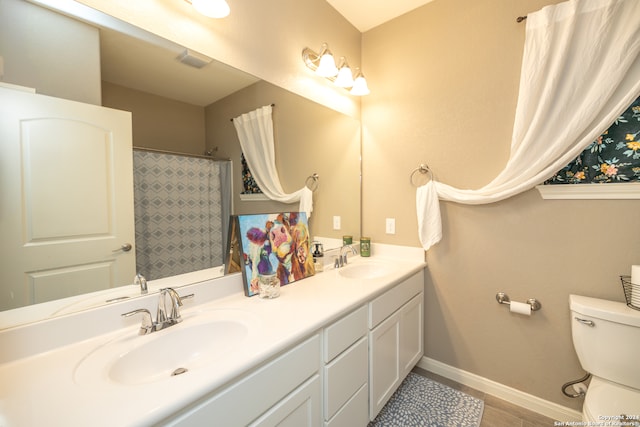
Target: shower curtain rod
<point x="273" y="105"/>
<point x="175" y="153"/>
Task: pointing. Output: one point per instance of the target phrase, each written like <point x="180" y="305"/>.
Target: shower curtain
<point x="182" y="206"/>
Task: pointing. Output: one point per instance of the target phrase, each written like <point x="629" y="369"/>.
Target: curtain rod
<point x="273" y="105"/>
<point x="521" y="18"/>
<point x="175" y="153"/>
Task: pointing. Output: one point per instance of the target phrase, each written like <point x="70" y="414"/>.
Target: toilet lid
<point x="606" y="400"/>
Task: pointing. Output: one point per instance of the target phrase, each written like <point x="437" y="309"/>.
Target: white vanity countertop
<point x="43" y="388"/>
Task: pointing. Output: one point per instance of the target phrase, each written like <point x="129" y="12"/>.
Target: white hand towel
<point x="428" y="209"/>
<point x="306" y="201"/>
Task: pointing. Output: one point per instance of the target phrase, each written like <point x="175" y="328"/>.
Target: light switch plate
<point x="336" y="222"/>
<point x="390" y="226"/>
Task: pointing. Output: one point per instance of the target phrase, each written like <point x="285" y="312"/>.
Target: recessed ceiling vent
<point x="194" y="59"/>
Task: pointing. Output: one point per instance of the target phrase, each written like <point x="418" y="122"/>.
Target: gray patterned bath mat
<point x="420" y="401"/>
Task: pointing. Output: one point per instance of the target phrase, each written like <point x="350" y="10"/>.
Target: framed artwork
<point x="265" y="245"/>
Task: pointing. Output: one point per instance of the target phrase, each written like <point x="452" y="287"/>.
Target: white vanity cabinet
<point x="284" y="392"/>
<point x="345" y="373"/>
<point x="395" y="339"/>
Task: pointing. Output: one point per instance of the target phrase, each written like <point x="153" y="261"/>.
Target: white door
<point x="66" y="198"/>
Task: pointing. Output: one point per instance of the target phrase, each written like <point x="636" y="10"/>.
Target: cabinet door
<point x="344" y="376"/>
<point x="411" y="334"/>
<point x="300" y="409"/>
<point x="384" y="363"/>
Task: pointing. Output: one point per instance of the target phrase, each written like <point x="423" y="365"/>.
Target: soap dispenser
<point x="318" y="254"/>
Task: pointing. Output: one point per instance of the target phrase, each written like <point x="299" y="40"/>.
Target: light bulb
<point x="344" y="78"/>
<point x="212" y="8"/>
<point x="360" y="87"/>
<point x="327" y="66"/>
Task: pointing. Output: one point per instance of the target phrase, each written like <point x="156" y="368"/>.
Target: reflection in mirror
<point x="180" y="108"/>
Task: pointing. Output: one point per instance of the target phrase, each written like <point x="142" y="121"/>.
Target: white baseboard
<point x="509" y="394"/>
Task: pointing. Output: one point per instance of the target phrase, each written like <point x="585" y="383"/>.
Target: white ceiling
<point x="366" y="14"/>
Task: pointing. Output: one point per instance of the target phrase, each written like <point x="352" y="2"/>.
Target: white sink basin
<point x="368" y="270"/>
<point x="201" y="338"/>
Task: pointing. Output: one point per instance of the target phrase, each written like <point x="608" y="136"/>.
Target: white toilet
<point x="606" y="336"/>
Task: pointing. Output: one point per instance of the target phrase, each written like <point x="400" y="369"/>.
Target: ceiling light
<point x="211" y="8"/>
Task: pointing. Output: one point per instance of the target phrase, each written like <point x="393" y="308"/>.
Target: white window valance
<point x="255" y="132"/>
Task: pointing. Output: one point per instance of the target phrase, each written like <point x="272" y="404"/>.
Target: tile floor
<point x="497" y="412"/>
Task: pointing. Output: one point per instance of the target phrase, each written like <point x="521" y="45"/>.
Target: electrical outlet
<point x="391" y="226"/>
<point x="336" y="222"/>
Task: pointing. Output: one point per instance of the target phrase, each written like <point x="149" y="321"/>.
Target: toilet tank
<point x="606" y="337"/>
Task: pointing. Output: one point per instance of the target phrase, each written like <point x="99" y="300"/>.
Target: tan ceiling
<point x="366" y="14"/>
<point x="154" y="68"/>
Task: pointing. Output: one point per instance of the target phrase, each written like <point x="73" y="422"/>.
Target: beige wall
<point x="38" y="47"/>
<point x="444" y="81"/>
<point x="263" y="38"/>
<point x="309" y="138"/>
<point x="159" y="123"/>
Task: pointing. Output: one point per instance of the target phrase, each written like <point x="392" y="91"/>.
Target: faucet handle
<point x="140" y="281"/>
<point x="176" y="303"/>
<point x="161" y="314"/>
<point x="147" y="322"/>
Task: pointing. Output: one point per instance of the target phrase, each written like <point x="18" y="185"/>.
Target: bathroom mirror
<point x="310" y="138"/>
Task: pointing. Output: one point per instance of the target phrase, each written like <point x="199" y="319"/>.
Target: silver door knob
<point x="124" y="248"/>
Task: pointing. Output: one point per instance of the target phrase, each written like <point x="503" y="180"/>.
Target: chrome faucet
<point x="167" y="315"/>
<point x="142" y="282"/>
<point x="342" y="260"/>
<point x="169" y="304"/>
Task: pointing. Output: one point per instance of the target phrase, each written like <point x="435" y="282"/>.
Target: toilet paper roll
<point x="635" y="285"/>
<point x="520" y="308"/>
<point x="635" y="274"/>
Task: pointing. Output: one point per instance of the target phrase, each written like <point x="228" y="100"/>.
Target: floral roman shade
<point x="613" y="157"/>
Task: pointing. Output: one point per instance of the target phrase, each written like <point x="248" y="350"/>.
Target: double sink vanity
<point x="329" y="351"/>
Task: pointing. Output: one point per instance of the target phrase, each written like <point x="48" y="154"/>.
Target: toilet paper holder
<point x="503" y="298"/>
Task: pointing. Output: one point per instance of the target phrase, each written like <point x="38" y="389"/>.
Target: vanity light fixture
<point x="211" y="8"/>
<point x="359" y="87"/>
<point x="344" y="77"/>
<point x="324" y="65"/>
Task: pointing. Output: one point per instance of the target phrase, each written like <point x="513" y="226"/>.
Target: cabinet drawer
<point x="387" y="303"/>
<point x="252" y="395"/>
<point x="340" y="335"/>
<point x="344" y="376"/>
<point x="354" y="413"/>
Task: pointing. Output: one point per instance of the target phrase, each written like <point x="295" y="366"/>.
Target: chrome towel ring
<point x="312" y="182"/>
<point x="424" y="170"/>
